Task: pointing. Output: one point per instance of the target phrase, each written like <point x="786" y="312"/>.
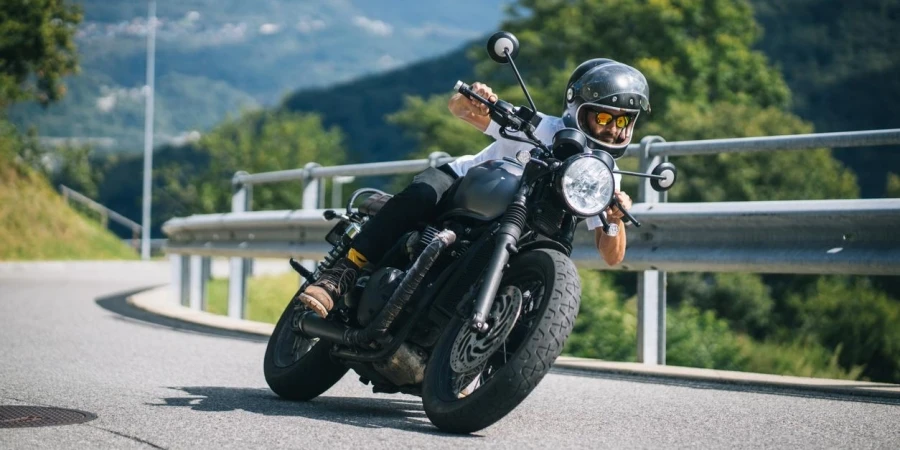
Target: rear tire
<point x="533" y="349"/>
<point x="296" y="368"/>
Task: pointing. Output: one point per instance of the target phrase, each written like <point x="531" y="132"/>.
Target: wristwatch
<point x="612" y="230"/>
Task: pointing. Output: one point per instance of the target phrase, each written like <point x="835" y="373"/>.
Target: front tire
<point x="297" y="368"/>
<point x="547" y="318"/>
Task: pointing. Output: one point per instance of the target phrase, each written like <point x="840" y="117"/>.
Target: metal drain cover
<point x="40" y="416"/>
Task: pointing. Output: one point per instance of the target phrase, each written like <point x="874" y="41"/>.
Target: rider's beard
<point x="608" y="137"/>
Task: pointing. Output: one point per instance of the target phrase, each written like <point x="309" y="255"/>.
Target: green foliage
<point x="696" y="338"/>
<point x="361" y="107"/>
<point x="20" y="152"/>
<point x="802" y="358"/>
<point x="840" y="60"/>
<point x="849" y="315"/>
<point x="267" y="296"/>
<point x="706" y="82"/>
<point x="35" y="223"/>
<point x="77" y="170"/>
<point x="604" y="328"/>
<point x="264" y="141"/>
<point x="37" y="49"/>
<point x="893" y="186"/>
<point x="742" y="299"/>
<point x="431" y="124"/>
<point x="687" y="49"/>
<point x="783" y="175"/>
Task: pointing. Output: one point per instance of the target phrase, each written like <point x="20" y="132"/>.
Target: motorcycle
<point x="468" y="312"/>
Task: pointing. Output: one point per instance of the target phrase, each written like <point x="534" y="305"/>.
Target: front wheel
<point x="473" y="380"/>
<point x="297" y="368"/>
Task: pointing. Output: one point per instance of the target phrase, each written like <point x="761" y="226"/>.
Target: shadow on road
<point x="870" y="397"/>
<point x="118" y="304"/>
<point x="364" y="412"/>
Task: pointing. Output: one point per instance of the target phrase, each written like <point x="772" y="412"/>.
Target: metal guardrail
<point x="105" y="213"/>
<point x="838" y="237"/>
<point x="823" y="236"/>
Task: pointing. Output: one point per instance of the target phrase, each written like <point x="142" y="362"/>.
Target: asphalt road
<point x="68" y="340"/>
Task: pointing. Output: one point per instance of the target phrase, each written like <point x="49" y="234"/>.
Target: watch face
<point x="613" y="230"/>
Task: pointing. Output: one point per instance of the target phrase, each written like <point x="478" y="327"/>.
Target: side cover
<point x="485" y="191"/>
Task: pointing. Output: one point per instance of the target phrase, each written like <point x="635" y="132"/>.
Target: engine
<point x="379" y="288"/>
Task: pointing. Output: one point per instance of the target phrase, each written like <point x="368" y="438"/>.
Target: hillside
<point x="36" y="224"/>
<point x="359" y="107"/>
<point x="216" y="57"/>
<point x="840" y="62"/>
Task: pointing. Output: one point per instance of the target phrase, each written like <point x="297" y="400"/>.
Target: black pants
<point x="418" y="202"/>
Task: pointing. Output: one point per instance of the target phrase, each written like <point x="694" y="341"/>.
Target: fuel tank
<point x="485" y="191"/>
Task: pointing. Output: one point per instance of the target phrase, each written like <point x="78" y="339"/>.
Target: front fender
<point x="546" y="243"/>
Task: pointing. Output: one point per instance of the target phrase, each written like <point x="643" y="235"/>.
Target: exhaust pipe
<point x="312" y="325"/>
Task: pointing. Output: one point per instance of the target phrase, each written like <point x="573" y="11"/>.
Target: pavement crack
<point x="127" y="436"/>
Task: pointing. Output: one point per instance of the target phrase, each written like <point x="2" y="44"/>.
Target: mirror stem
<point x="519" y="77"/>
<point x="639" y="174"/>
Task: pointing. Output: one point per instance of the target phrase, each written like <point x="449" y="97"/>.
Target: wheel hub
<point x="471" y="349"/>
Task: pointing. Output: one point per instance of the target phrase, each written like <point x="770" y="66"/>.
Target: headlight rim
<point x="561" y="173"/>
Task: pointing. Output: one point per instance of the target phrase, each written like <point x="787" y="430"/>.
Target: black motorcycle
<point x="469" y="311"/>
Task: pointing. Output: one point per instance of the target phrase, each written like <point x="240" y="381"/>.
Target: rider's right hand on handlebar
<point x="463" y="107"/>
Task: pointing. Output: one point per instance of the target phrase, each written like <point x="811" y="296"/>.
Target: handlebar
<point x="501" y="112"/>
<point x="506" y="115"/>
<point x="627" y="215"/>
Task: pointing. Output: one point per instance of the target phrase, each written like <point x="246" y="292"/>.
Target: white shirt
<point x="502" y="147"/>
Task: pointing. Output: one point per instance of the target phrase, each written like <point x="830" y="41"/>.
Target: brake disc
<point x="471" y="349"/>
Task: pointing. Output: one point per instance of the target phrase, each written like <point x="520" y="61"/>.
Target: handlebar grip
<point x="627" y="215"/>
<point x="459" y="84"/>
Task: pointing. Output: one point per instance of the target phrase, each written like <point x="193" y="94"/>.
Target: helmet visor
<point x="606" y="125"/>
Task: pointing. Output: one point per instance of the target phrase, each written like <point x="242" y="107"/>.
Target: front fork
<point x="511" y="227"/>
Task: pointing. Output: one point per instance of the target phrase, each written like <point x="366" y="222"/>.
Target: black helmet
<point x="602" y="85"/>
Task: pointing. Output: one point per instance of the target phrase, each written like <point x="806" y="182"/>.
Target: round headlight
<point x="586" y="185"/>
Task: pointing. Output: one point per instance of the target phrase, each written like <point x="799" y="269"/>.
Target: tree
<point x="893" y="186"/>
<point x="37" y="49"/>
<point x="263" y="141"/>
<point x="849" y="315"/>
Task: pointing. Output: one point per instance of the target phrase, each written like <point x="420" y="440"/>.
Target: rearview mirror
<point x="501" y="42"/>
<point x="669" y="173"/>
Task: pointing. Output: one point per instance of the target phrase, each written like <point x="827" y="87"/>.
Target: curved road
<point x="69" y="340"/>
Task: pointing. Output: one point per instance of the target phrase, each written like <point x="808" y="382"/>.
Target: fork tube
<point x="506" y="240"/>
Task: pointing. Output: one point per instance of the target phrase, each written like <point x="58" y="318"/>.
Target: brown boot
<point x="335" y="282"/>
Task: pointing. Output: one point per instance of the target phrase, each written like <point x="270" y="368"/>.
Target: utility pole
<point x="148" y="129"/>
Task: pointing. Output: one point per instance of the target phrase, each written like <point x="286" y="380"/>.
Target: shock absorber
<point x="340" y="249"/>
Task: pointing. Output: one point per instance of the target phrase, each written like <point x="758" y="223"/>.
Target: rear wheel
<point x="474" y="380"/>
<point x="297" y="368"/>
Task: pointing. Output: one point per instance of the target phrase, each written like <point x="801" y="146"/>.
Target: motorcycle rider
<point x="603" y="99"/>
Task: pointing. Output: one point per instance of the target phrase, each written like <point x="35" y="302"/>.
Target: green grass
<point x="37" y="224"/>
<point x="268" y="295"/>
<point x="608" y="334"/>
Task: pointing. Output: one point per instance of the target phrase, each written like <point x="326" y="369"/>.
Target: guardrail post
<point x="434" y="157"/>
<point x="651" y="339"/>
<point x="311" y="188"/>
<point x="337" y="190"/>
<point x="198" y="282"/>
<point x="180" y="277"/>
<point x="239" y="268"/>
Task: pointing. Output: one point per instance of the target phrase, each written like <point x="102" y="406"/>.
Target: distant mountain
<point x="359" y="107"/>
<point x="214" y="57"/>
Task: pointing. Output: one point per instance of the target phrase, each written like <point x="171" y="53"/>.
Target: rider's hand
<point x="466" y="108"/>
<point x="613" y="212"/>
